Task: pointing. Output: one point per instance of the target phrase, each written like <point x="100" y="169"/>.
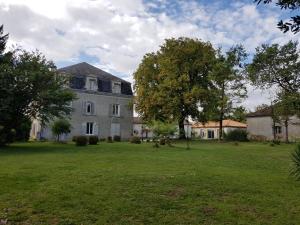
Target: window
<point x="91" y="84"/>
<point x="210" y="134"/>
<point x="116" y="110"/>
<point x="89" y="128"/>
<point x="277" y="130"/>
<point x="116" y="87"/>
<point x="89" y="108"/>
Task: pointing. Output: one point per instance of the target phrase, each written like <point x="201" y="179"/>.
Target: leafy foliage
<point x="229" y="81"/>
<point x="30" y="87"/>
<point x="294" y="24"/>
<point x="81" y="140"/>
<point x="278" y="66"/>
<point x="117" y="138"/>
<point x="135" y="140"/>
<point x="93" y="140"/>
<point x="296" y="163"/>
<point x="237" y="135"/>
<point x="174" y="83"/>
<point x="61" y="126"/>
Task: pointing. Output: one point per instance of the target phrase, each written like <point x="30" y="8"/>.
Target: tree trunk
<point x="273" y="129"/>
<point x="221" y="127"/>
<point x="181" y="128"/>
<point x="286" y="124"/>
<point x="222" y="113"/>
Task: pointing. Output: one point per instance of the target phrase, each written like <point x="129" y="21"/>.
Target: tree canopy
<point x="278" y="67"/>
<point x="229" y="81"/>
<point x="293" y="24"/>
<point x="174" y="83"/>
<point x="30" y="87"/>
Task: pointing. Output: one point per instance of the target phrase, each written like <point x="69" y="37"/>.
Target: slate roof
<point x="216" y="124"/>
<point x="261" y="113"/>
<point x="85" y="69"/>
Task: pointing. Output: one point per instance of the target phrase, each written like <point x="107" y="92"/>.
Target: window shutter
<point x="110" y="110"/>
<point x="83" y="128"/>
<point x="93" y="108"/>
<point x="84" y="107"/>
<point x="96" y="130"/>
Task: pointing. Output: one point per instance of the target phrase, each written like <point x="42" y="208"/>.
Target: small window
<point x="278" y="130"/>
<point x="89" y="128"/>
<point x="92" y="84"/>
<point x="89" y="108"/>
<point x="116" y="110"/>
<point x="210" y="134"/>
<point x="116" y="87"/>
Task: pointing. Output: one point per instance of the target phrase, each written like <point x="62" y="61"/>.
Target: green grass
<point x="122" y="183"/>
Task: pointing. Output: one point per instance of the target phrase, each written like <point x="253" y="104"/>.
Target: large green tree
<point x="293" y="24"/>
<point x="229" y="81"/>
<point x="278" y="67"/>
<point x="174" y="83"/>
<point x="30" y="87"/>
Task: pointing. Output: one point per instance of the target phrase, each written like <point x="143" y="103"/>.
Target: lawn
<point x="122" y="183"/>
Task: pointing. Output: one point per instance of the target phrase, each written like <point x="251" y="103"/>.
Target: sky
<point x="115" y="34"/>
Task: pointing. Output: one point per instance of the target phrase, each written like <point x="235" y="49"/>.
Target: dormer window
<point x="91" y="84"/>
<point x="116" y="87"/>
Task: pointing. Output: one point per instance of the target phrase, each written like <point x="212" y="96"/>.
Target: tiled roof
<point x="216" y="124"/>
<point x="262" y="112"/>
<point x="85" y="69"/>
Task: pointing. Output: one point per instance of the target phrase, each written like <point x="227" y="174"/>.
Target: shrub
<point x="81" y="141"/>
<point x="236" y="135"/>
<point x="276" y="142"/>
<point x="162" y="141"/>
<point x="60" y="127"/>
<point x="135" y="140"/>
<point x="93" y="140"/>
<point x="74" y="138"/>
<point x="109" y="139"/>
<point x="260" y="138"/>
<point x="117" y="138"/>
<point x="102" y="139"/>
<point x="296" y="163"/>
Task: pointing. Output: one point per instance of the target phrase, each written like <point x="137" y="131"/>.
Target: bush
<point x="162" y="141"/>
<point x="117" y="138"/>
<point x="109" y="139"/>
<point x="74" y="138"/>
<point x="93" y="140"/>
<point x="236" y="135"/>
<point x="81" y="141"/>
<point x="135" y="140"/>
<point x="102" y="139"/>
<point x="260" y="138"/>
<point x="60" y="127"/>
<point x="276" y="142"/>
<point x="296" y="163"/>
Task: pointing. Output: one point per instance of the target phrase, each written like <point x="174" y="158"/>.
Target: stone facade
<point x="98" y="110"/>
<point x="263" y="126"/>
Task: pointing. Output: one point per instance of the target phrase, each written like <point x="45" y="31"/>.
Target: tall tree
<point x="276" y="66"/>
<point x="239" y="114"/>
<point x="229" y="79"/>
<point x="293" y="24"/>
<point x="30" y="87"/>
<point x="284" y="110"/>
<point x="174" y="83"/>
<point x="3" y="40"/>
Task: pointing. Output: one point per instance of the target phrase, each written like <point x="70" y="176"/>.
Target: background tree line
<point x="188" y="78"/>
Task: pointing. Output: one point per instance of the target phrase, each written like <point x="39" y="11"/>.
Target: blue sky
<point x="115" y="34"/>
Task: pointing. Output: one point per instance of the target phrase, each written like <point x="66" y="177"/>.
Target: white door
<point x="115" y="130"/>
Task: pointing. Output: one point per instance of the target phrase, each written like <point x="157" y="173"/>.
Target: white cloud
<point x="119" y="32"/>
